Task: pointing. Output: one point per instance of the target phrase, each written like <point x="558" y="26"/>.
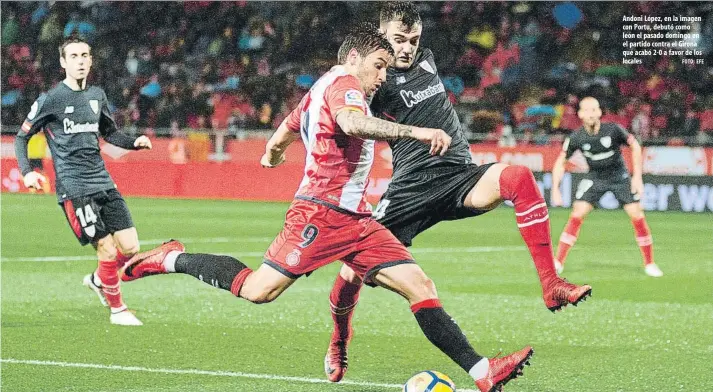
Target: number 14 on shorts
<point x="86" y="215"/>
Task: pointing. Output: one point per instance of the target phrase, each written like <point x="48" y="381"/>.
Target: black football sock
<point x="444" y="333"/>
<point x="217" y="271"/>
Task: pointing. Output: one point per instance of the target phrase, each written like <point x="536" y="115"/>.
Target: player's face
<point x="372" y="70"/>
<point x="589" y="112"/>
<point x="405" y="40"/>
<point x="77" y="60"/>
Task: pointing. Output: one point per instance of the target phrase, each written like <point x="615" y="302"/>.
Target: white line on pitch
<point x="87" y="258"/>
<point x="197" y="372"/>
<point x="416" y="251"/>
<point x="211" y="240"/>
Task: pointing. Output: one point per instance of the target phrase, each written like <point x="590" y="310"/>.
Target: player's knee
<point x="578" y="215"/>
<point x="518" y="180"/>
<point x="259" y="295"/>
<point x="424" y="288"/>
<point x="429" y="287"/>
<point x="520" y="173"/>
<point x="130" y="249"/>
<point x="349" y="275"/>
<point x="106" y="248"/>
<point x="635" y="213"/>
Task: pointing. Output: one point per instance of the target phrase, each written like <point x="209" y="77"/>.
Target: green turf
<point x="636" y="333"/>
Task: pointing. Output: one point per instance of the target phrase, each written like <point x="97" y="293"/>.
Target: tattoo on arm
<point x="373" y="128"/>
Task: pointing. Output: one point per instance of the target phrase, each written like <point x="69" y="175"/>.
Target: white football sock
<point x="480" y="369"/>
<point x="169" y="262"/>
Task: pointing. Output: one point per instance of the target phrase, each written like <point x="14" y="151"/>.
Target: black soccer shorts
<point x="97" y="215"/>
<point x="591" y="189"/>
<point x="415" y="202"/>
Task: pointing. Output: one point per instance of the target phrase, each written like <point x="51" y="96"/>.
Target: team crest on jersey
<point x="606" y="141"/>
<point x="425" y="65"/>
<point x="293" y="258"/>
<point x="586" y="146"/>
<point x="94" y="104"/>
<point x="353" y="97"/>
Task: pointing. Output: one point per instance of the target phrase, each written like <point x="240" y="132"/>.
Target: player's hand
<point x="556" y="197"/>
<point x="270" y="161"/>
<point x="33" y="180"/>
<point x="143" y="143"/>
<point x="437" y="138"/>
<point x="637" y="186"/>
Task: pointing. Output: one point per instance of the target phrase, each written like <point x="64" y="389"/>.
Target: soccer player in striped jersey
<point x="330" y="219"/>
<point x="600" y="143"/>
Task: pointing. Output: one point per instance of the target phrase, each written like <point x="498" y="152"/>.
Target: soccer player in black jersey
<point x="428" y="189"/>
<point x="600" y="143"/>
<point x="73" y="116"/>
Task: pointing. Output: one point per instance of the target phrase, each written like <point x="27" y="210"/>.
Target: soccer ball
<point x="429" y="381"/>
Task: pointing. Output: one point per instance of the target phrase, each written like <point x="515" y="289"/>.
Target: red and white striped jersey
<point x="337" y="165"/>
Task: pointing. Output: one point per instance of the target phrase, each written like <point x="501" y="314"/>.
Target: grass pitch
<point x="635" y="334"/>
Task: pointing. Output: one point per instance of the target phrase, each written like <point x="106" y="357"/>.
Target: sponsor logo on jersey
<point x="400" y="79"/>
<point x="425" y="65"/>
<point x="69" y="110"/>
<point x="586" y="146"/>
<point x="412" y="98"/>
<point x="606" y="141"/>
<point x="94" y="104"/>
<point x="293" y="258"/>
<point x="71" y="127"/>
<point x="353" y="97"/>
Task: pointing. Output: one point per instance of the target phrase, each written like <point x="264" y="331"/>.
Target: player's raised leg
<point x="411" y="282"/>
<point x="223" y="272"/>
<point x="580" y="210"/>
<point x="107" y="280"/>
<point x="643" y="238"/>
<point x="517" y="184"/>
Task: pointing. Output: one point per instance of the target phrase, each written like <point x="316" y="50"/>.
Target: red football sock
<point x="121" y="259"/>
<point x="518" y="185"/>
<point x="568" y="238"/>
<point x="110" y="284"/>
<point x="239" y="280"/>
<point x="643" y="238"/>
<point x="342" y="300"/>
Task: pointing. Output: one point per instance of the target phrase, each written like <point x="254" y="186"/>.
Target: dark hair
<point x="366" y="39"/>
<point x="72" y="39"/>
<point x="399" y="11"/>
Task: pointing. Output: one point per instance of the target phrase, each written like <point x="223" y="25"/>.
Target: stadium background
<point x="210" y="80"/>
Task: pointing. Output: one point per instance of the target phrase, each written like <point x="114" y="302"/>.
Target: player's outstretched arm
<point x="637" y="181"/>
<point x="276" y="146"/>
<point x="40" y="114"/>
<point x="111" y="133"/>
<point x="359" y="125"/>
<point x="558" y="170"/>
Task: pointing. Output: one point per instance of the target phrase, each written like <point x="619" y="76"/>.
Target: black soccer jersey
<point x="72" y="121"/>
<point x="602" y="151"/>
<point x="417" y="97"/>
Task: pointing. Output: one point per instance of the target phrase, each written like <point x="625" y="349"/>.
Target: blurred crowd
<point x="514" y="70"/>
